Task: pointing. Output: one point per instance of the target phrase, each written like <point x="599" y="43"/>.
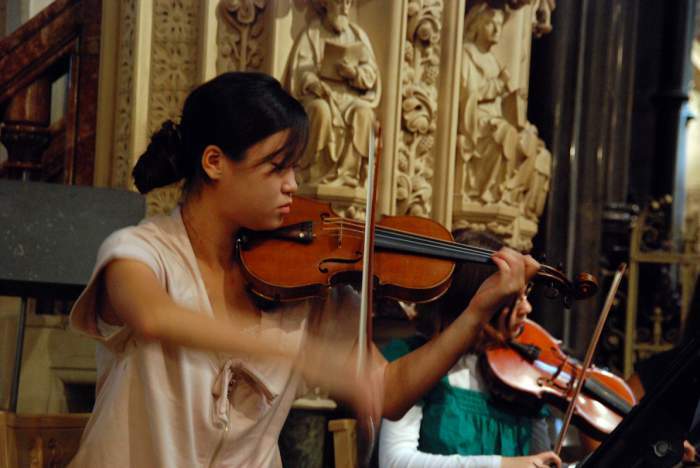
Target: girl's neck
<point x="211" y="236"/>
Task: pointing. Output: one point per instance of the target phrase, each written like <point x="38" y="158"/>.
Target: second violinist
<point x="458" y="423"/>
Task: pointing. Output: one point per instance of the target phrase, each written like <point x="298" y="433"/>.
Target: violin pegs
<point x="551" y="292"/>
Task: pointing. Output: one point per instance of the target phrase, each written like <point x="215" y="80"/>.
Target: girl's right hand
<point x="541" y="460"/>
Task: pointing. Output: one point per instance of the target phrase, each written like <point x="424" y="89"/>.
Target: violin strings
<point x="411" y="239"/>
<point x="403" y="234"/>
<point x="477" y="252"/>
<point x="416" y="240"/>
<point x="444" y="243"/>
<point x="423" y="245"/>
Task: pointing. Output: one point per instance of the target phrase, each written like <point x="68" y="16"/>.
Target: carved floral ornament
<point x="422" y="65"/>
<point x="421" y="61"/>
<point x="240" y="26"/>
<point x="173" y="62"/>
<point x="242" y="11"/>
<point x="424" y="21"/>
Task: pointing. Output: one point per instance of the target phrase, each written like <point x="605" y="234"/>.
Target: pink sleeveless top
<point x="168" y="406"/>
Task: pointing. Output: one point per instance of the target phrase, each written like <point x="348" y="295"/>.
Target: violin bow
<point x="365" y="320"/>
<point x="589" y="354"/>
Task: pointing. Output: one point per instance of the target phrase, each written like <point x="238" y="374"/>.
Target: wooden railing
<point x="61" y="40"/>
<point x="47" y="440"/>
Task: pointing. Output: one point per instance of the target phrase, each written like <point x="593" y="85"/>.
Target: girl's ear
<point x="212" y="161"/>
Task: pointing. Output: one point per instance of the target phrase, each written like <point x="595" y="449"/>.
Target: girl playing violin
<point x="457" y="423"/>
<point x="190" y="371"/>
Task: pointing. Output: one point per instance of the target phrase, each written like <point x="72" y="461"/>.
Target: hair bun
<point x="161" y="164"/>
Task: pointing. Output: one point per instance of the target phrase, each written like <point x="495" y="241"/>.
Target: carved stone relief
<point x="542" y="17"/>
<point x="419" y="107"/>
<point x="121" y="169"/>
<point x="503" y="167"/>
<point x="334" y="73"/>
<point x="238" y="34"/>
<point x="174" y="74"/>
<point x="173" y="60"/>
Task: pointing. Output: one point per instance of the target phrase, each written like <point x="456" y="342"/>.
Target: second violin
<point x="532" y="369"/>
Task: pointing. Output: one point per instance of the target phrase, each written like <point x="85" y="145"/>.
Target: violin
<point x="531" y="369"/>
<point x="414" y="257"/>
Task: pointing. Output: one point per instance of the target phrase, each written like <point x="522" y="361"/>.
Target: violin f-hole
<point x="323" y="269"/>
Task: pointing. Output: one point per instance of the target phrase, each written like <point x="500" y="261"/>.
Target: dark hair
<point x="233" y="111"/>
<point x="465" y="281"/>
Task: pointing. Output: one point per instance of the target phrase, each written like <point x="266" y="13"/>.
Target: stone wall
<point x="446" y="82"/>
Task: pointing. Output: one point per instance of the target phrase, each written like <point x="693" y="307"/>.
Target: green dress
<point x="465" y="422"/>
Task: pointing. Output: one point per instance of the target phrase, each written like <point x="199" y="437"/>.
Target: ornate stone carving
<point x="121" y="169"/>
<point x="173" y="75"/>
<point x="418" y="107"/>
<point x="173" y="59"/>
<point x="542" y="17"/>
<point x="503" y="167"/>
<point x="238" y="33"/>
<point x="334" y="73"/>
<point x="355" y="211"/>
<point x="541" y="12"/>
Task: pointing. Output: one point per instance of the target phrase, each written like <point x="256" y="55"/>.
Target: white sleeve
<point x="126" y="243"/>
<point x="398" y="447"/>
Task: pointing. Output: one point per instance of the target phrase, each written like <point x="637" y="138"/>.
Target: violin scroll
<point x="558" y="285"/>
<point x="585" y="285"/>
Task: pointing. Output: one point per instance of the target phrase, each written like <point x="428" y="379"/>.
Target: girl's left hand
<point x="689" y="454"/>
<point x="541" y="460"/>
<point x="501" y="288"/>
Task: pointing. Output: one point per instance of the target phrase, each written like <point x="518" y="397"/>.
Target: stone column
<point x="585" y="116"/>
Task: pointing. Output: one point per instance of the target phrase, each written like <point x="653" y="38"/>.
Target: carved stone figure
<point x="527" y="188"/>
<point x="542" y="17"/>
<point x="503" y="161"/>
<point x="334" y="73"/>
